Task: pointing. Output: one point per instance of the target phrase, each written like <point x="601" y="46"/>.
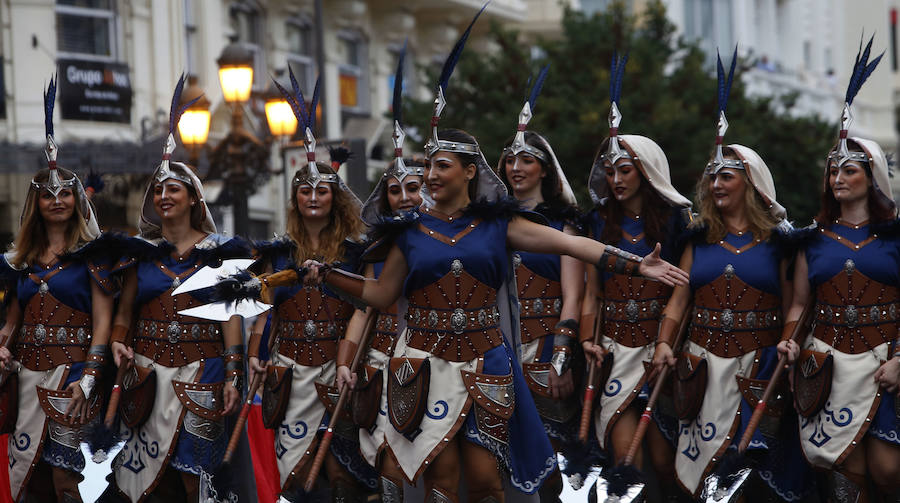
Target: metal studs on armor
<point x="44" y="288"/>
<point x="433" y="319"/>
<point x="458" y="321"/>
<point x="62" y="335"/>
<point x="852" y="315"/>
<point x="436" y="496"/>
<point x="655" y="309"/>
<point x="750" y="320"/>
<point x="557" y="305"/>
<point x="727" y="320"/>
<point x="849" y="266"/>
<point x="176" y="283"/>
<point x="309" y="330"/>
<point x="517" y="260"/>
<point x="40" y="333"/>
<point x="173" y="331"/>
<point x="538" y="306"/>
<point x="728" y="271"/>
<point x="632" y="310"/>
<point x="390" y="491"/>
<point x="81" y="335"/>
<point x="456" y="267"/>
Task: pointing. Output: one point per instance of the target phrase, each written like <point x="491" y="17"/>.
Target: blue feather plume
<point x="49" y="102"/>
<point x="538" y="84"/>
<point x="175" y="111"/>
<point x="303" y="118"/>
<point x="617" y="71"/>
<point x="397" y="103"/>
<point x="291" y="101"/>
<point x="862" y="68"/>
<point x="724" y="83"/>
<point x="314" y="105"/>
<point x="453" y="58"/>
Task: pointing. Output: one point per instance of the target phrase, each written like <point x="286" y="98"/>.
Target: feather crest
<point x="49" y="103"/>
<point x="453" y="58"/>
<point x="291" y="101"/>
<point x="862" y="68"/>
<point x="339" y="155"/>
<point x="724" y="83"/>
<point x="176" y="110"/>
<point x="303" y="118"/>
<point x="616" y="73"/>
<point x="397" y="103"/>
<point x="536" y="88"/>
<point x="314" y="105"/>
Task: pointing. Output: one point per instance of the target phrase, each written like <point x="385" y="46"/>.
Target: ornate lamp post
<point x="194" y="124"/>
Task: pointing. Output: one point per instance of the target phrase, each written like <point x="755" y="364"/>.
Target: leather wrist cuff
<point x="119" y="334"/>
<point x="616" y="261"/>
<point x="788" y="330"/>
<point x="667" y="329"/>
<point x="568" y="323"/>
<point x="586" y="327"/>
<point x="346" y="352"/>
<point x="253" y="344"/>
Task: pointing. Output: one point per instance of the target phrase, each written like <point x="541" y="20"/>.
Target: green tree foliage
<point x="669" y="95"/>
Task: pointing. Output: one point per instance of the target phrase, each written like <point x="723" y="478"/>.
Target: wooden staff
<point x="242" y="417"/>
<point x="339" y="408"/>
<point x="654" y="395"/>
<point x="587" y="409"/>
<point x="116" y="394"/>
<point x="773" y="381"/>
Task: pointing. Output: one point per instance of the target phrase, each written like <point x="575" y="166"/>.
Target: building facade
<point x="118" y="61"/>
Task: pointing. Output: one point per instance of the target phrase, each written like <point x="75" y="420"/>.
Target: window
<point x="247" y="27"/>
<point x="352" y="72"/>
<point x="709" y="23"/>
<point x="301" y="52"/>
<point x="86" y="29"/>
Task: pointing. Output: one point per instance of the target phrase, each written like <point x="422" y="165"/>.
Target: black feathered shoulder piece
<point x="391" y="225"/>
<point x="281" y="245"/>
<point x="888" y="229"/>
<point x="561" y="212"/>
<point x="105" y="248"/>
<point x="217" y="250"/>
<point x="504" y="208"/>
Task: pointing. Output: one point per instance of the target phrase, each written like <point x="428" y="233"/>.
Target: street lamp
<point x="236" y="73"/>
<point x="280" y="117"/>
<point x="193" y="126"/>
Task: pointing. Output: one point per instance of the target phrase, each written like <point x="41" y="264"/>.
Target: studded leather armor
<point x="455" y="318"/>
<point x="631" y="309"/>
<point x="385" y="330"/>
<point x="855" y="313"/>
<point x="540" y="302"/>
<point x="309" y="326"/>
<point x="732" y="318"/>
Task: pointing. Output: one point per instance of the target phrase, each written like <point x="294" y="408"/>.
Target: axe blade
<point x="209" y="276"/>
<point x="631" y="493"/>
<point x="717" y="490"/>
<point x="576" y="488"/>
<point x="223" y="311"/>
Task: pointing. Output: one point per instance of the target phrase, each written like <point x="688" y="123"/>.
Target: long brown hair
<point x="761" y="222"/>
<point x="31" y="240"/>
<point x="830" y="209"/>
<point x="343" y="223"/>
<point x="654" y="213"/>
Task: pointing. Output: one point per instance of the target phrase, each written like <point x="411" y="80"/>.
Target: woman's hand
<point x="345" y="377"/>
<point x="663" y="356"/>
<point x="77" y="410"/>
<point x="789" y="349"/>
<point x="561" y="386"/>
<point x="594" y="350"/>
<point x="5" y="357"/>
<point x="257" y="367"/>
<point x="232" y="399"/>
<point x="122" y="354"/>
<point x="654" y="267"/>
<point x="315" y="273"/>
<point x="888" y="375"/>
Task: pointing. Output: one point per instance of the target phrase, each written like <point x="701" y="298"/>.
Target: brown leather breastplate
<point x="732" y="318"/>
<point x="455" y="318"/>
<point x="385" y="330"/>
<point x="631" y="309"/>
<point x="855" y="313"/>
<point x="309" y="325"/>
<point x="173" y="340"/>
<point x="52" y="333"/>
<point x="540" y="302"/>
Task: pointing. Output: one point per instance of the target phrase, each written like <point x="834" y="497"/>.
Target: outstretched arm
<point x="529" y="236"/>
<point x="379" y="293"/>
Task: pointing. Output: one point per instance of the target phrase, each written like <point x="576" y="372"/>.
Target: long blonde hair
<point x="31" y="240"/>
<point x="761" y="221"/>
<point x="343" y="222"/>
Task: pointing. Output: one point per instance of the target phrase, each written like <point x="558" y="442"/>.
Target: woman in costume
<point x="737" y="265"/>
<point x="457" y="399"/>
<point x="847" y="375"/>
<point x="57" y="328"/>
<point x="196" y="366"/>
<point x="323" y="223"/>
<point x="398" y="190"/>
<point x="549" y="286"/>
<point x="637" y="207"/>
